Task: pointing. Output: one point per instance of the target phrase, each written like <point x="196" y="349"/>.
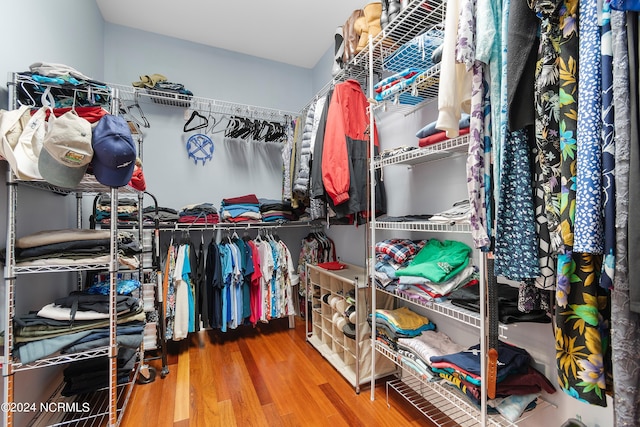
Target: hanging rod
<point x="232" y="226"/>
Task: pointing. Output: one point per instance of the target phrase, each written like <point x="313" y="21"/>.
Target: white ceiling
<point x="296" y="32"/>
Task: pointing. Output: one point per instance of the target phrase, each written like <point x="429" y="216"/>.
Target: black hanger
<point x="232" y="127"/>
<point x="190" y="125"/>
<point x="141" y="120"/>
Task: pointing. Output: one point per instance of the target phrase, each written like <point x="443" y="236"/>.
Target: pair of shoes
<point x="368" y="24"/>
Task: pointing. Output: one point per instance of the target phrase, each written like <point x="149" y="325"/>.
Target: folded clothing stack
<point x="423" y="271"/>
<point x="508" y="311"/>
<point x="160" y="82"/>
<point x="75" y="247"/>
<point x="241" y="209"/>
<point x="429" y="135"/>
<point x="165" y="214"/>
<point x="200" y="213"/>
<point x="276" y="210"/>
<point x="75" y="323"/>
<point x="90" y="375"/>
<point x="127" y="210"/>
<point x="401" y="322"/>
<point x="460" y="212"/>
<point x="157" y="84"/>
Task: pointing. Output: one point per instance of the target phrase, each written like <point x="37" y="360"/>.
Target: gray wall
<point x="237" y="167"/>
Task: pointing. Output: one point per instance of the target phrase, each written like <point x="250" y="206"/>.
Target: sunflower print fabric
<point x="582" y="338"/>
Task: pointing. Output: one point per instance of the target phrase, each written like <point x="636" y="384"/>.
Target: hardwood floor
<point x="267" y="376"/>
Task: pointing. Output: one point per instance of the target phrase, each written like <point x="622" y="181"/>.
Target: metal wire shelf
<point x="444" y="403"/>
<point x="423" y="226"/>
<point x="88" y="185"/>
<point x="43" y="268"/>
<point x="415" y="96"/>
<point x="214" y="106"/>
<point x="417" y="18"/>
<point x="97" y="403"/>
<point x="437" y="151"/>
<point x="61" y="359"/>
<point x="449" y="310"/>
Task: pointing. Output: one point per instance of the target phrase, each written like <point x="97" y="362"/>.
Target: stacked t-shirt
<point x="241" y="209"/>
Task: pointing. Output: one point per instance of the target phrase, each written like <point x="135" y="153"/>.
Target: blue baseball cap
<point x="114" y="152"/>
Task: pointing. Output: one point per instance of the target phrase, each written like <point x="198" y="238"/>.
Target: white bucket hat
<point x="29" y="146"/>
<point x="19" y="137"/>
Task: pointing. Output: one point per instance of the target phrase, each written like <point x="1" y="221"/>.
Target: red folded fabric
<point x="137" y="179"/>
<point x="194" y="219"/>
<point x="90" y="114"/>
<point x="249" y="198"/>
<point x="438" y="137"/>
<point x="332" y="265"/>
<point x="242" y="219"/>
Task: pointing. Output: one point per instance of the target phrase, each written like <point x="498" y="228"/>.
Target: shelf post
<point x="9" y="286"/>
<point x="369" y="262"/>
<point x="113" y="315"/>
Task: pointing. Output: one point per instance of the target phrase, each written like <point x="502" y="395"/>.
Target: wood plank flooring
<point x="268" y="376"/>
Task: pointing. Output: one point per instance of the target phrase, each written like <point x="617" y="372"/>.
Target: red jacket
<point x="347" y="118"/>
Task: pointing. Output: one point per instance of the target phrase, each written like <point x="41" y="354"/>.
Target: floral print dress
<point x="582" y="305"/>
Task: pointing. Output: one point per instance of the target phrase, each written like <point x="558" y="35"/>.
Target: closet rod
<point x="231" y="226"/>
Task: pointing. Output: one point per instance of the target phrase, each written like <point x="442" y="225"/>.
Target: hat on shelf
<point x="349" y="330"/>
<point x="114" y="152"/>
<point x="333" y="300"/>
<point x="66" y="150"/>
<point x="325" y="298"/>
<point x="350" y="313"/>
<point x="12" y="125"/>
<point x="336" y="316"/>
<point x="29" y="145"/>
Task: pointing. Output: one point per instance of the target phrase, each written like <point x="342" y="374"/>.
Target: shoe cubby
<point x="342" y="293"/>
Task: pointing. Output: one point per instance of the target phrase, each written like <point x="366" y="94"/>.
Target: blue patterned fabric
<point x="608" y="151"/>
<point x="516" y="254"/>
<point x="588" y="233"/>
<point x="626" y="5"/>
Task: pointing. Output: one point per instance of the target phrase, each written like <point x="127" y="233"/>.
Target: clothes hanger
<point x="232" y="126"/>
<point x="213" y="123"/>
<point x="142" y="121"/>
<point x="191" y="124"/>
<point x="26" y="91"/>
<point x="73" y="102"/>
<point x="245" y="128"/>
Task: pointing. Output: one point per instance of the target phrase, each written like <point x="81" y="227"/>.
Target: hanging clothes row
<point x="328" y="157"/>
<point x="316" y="247"/>
<point x="226" y="284"/>
<point x="256" y="130"/>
